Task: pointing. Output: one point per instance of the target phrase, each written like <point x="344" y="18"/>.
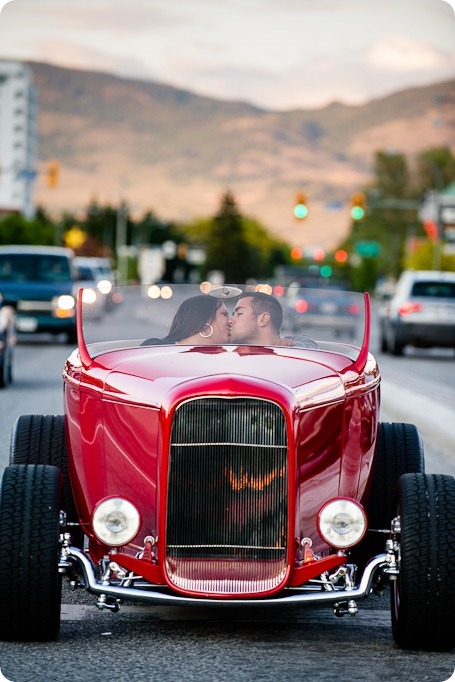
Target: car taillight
<point x="408" y="307"/>
<point x="301" y="306"/>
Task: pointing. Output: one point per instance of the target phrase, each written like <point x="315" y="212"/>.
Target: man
<point x="257" y="320"/>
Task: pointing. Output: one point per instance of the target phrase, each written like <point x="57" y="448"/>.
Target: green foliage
<point x="14" y="229"/>
<point x="396" y="179"/>
<point x="228" y="248"/>
<point x="423" y="258"/>
<point x="435" y="168"/>
<point x="392" y="176"/>
<point x="237" y="245"/>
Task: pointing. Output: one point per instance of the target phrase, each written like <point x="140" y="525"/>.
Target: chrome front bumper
<point x="159" y="594"/>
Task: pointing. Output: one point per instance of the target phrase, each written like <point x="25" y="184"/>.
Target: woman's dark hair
<point x="193" y="315"/>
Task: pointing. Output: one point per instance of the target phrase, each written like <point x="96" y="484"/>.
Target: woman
<point x="200" y="320"/>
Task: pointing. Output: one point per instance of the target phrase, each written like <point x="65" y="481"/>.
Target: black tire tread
<point x="399" y="450"/>
<point x="425" y="618"/>
<point x="40" y="439"/>
<point x="30" y="584"/>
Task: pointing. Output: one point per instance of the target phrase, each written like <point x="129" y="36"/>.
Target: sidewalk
<point x="434" y="419"/>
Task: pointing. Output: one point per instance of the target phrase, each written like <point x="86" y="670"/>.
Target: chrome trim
<point x="227" y="467"/>
<point x="153" y="595"/>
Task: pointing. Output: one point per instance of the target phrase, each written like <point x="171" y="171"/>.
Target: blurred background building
<point x="18" y="138"/>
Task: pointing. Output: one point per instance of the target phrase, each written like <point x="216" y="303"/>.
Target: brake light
<point x="301" y="306"/>
<point x="408" y="308"/>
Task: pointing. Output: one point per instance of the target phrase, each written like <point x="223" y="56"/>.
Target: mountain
<point x="174" y="152"/>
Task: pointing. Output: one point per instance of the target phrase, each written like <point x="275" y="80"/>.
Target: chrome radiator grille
<point x="227" y="501"/>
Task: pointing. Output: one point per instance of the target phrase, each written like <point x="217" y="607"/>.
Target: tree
<point x="435" y="169"/>
<point x="14" y="229"/>
<point x="228" y="248"/>
<point x="392" y="175"/>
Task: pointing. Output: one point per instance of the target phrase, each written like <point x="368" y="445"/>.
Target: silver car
<point x="420" y="313"/>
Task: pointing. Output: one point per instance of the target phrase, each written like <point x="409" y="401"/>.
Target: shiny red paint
<point x="120" y="404"/>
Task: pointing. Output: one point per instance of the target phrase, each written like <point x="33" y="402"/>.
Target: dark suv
<point x="38" y="282"/>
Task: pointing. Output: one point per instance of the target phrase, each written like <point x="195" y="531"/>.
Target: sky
<point x="276" y="54"/>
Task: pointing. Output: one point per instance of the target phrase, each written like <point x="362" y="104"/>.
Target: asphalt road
<point x="169" y="643"/>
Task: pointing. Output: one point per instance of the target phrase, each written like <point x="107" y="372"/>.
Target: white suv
<point x="420" y="313"/>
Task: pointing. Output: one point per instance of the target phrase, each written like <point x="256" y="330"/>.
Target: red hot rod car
<point x="230" y="473"/>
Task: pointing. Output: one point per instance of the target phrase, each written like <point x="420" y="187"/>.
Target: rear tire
<point x="423" y="596"/>
<point x="30" y="583"/>
<point x="394" y="346"/>
<point x="399" y="450"/>
<point x="38" y="439"/>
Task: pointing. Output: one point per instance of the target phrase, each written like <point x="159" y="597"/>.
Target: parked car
<point x="38" y="282"/>
<point x="421" y="312"/>
<point x="7" y="341"/>
<point x="215" y="474"/>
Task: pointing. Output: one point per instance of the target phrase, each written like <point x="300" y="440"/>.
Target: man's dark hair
<point x="264" y="303"/>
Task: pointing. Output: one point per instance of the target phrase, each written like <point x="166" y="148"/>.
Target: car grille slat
<point x="227" y="511"/>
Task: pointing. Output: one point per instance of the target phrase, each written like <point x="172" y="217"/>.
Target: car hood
<point x="145" y="376"/>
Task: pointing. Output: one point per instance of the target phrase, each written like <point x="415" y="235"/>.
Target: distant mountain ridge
<point x="175" y="152"/>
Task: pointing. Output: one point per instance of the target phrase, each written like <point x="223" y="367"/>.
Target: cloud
<point x="401" y="53"/>
<point x="3" y="3"/>
<point x="452" y="4"/>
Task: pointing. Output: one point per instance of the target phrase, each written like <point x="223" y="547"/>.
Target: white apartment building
<point x="18" y="138"/>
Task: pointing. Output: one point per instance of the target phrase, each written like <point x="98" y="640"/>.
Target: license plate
<point x="26" y="324"/>
<point x="328" y="308"/>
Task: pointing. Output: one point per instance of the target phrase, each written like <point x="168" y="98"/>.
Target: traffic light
<point x="300" y="207"/>
<point x="358" y="205"/>
<point x="52" y="174"/>
<point x="341" y="256"/>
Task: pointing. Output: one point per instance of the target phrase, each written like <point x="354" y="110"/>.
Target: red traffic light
<point x="341" y="256"/>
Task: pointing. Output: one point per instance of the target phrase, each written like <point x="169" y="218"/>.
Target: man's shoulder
<point x="303" y="341"/>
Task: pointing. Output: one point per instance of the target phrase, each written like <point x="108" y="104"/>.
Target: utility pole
<point x="439" y="185"/>
<point x="120" y="243"/>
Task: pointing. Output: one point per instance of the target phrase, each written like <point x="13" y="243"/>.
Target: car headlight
<point x="88" y="296"/>
<point x="66" y="302"/>
<point x="64" y="306"/>
<point x="342" y="523"/>
<point x="115" y="521"/>
<point x="104" y="286"/>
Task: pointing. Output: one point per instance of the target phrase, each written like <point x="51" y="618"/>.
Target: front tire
<point x="423" y="596"/>
<point x="399" y="450"/>
<point x="30" y="583"/>
<point x="39" y="439"/>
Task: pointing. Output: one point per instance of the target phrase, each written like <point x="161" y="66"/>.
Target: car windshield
<point x="84" y="273"/>
<point x="207" y="314"/>
<point x="34" y="268"/>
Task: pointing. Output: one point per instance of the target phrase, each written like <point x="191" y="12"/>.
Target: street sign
<point x="368" y="249"/>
